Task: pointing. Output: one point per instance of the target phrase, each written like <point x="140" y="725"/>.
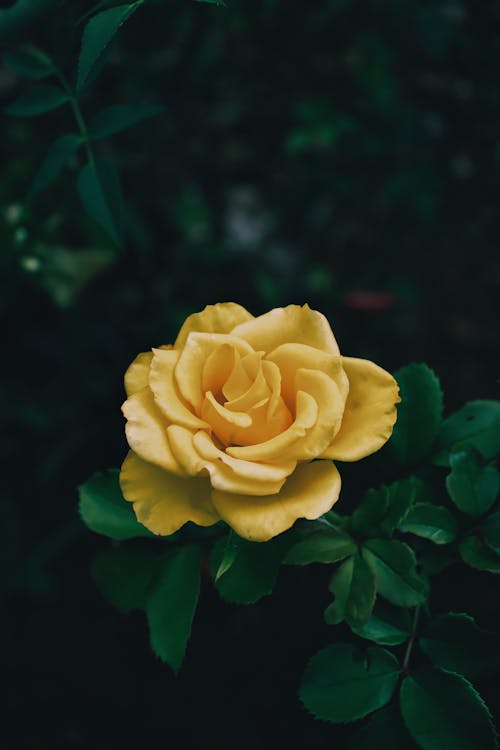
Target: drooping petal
<point x="146" y="431"/>
<point x="310" y="491"/>
<point x="137" y="375"/>
<point x="370" y="411"/>
<point x="220" y="318"/>
<point x="284" y="325"/>
<point x="164" y="502"/>
<point x="190" y="365"/>
<point x="166" y="394"/>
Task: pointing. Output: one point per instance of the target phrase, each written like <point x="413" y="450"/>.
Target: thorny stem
<point x="411" y="641"/>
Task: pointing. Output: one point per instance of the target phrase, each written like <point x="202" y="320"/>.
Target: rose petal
<point x="189" y="368"/>
<point x="164" y="502"/>
<point x="370" y="411"/>
<point x="220" y="318"/>
<point x="166" y="394"/>
<point x="223" y="422"/>
<point x="311" y="490"/>
<point x="292" y="357"/>
<point x="137" y="375"/>
<point x="217" y="369"/>
<point x="284" y="325"/>
<point x="222" y="476"/>
<point x="146" y="431"/>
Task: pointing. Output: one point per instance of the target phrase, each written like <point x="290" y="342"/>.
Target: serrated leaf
<point x="353" y="585"/>
<point x="325" y="545"/>
<point x="475" y="426"/>
<point x="442" y="710"/>
<point x="104" y="510"/>
<point x="340" y="684"/>
<point x="100" y="191"/>
<point x="384" y="730"/>
<point x="473" y="488"/>
<point x="38" y="100"/>
<point x="97" y="35"/>
<point x="394" y="565"/>
<point x="433" y="522"/>
<point x="253" y="571"/>
<point x="61" y="150"/>
<point x="30" y="63"/>
<point x="171" y="604"/>
<point x="119" y="117"/>
<point x="454" y="642"/>
<point x="123" y="576"/>
<point x="387" y="626"/>
<point x="476" y="553"/>
<point x="419" y="415"/>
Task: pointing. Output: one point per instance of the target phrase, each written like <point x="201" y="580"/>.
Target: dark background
<point x="341" y="153"/>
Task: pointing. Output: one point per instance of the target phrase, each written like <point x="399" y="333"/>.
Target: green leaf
<point x="490" y="531"/>
<point x="37" y="101"/>
<point x="354" y="588"/>
<point x="171" y="605"/>
<point x="104" y="510"/>
<point x="253" y="571"/>
<point x="341" y="684"/>
<point x="100" y="192"/>
<point x="454" y="642"/>
<point x="473" y="488"/>
<point x="474" y="426"/>
<point x="384" y="730"/>
<point x="401" y="496"/>
<point x="419" y="414"/>
<point x="228" y="555"/>
<point x="61" y="150"/>
<point x="433" y="522"/>
<point x="123" y="576"/>
<point x="477" y="554"/>
<point x="370" y="513"/>
<point x="442" y="710"/>
<point x="97" y="35"/>
<point x="388" y="625"/>
<point x="324" y="545"/>
<point x="382" y="510"/>
<point x="396" y="577"/>
<point x="120" y="117"/>
<point x="30" y="63"/>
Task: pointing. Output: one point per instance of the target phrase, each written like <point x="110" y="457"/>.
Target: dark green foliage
<point x="100" y="191"/>
<point x="419" y="414"/>
<point x="104" y="510"/>
<point x="387" y="626"/>
<point x="442" y="710"/>
<point x="319" y="542"/>
<point x="30" y="63"/>
<point x="433" y="522"/>
<point x="38" y="100"/>
<point x="120" y="117"/>
<point x="396" y="577"/>
<point x="472" y="487"/>
<point x="475" y="426"/>
<point x="171" y="604"/>
<point x="476" y="553"/>
<point x="123" y="576"/>
<point x="342" y="684"/>
<point x="382" y="511"/>
<point x="353" y="586"/>
<point x="253" y="567"/>
<point x="58" y="155"/>
<point x="384" y="730"/>
<point x="454" y="642"/>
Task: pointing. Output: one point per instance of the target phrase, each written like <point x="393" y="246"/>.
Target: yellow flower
<point x="226" y="424"/>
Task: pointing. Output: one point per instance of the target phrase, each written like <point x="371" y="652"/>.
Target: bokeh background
<point x="344" y="153"/>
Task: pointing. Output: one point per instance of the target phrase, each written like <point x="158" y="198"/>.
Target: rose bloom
<point x="241" y="419"/>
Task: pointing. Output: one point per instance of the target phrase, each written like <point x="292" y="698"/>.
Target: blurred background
<point x="343" y="153"/>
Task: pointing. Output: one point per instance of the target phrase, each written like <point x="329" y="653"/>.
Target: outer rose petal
<point x="163" y="502"/>
<point x="284" y="325"/>
<point x="137" y="375"/>
<point x="146" y="431"/>
<point x="220" y="318"/>
<point x="165" y="392"/>
<point x="370" y="411"/>
<point x="311" y="490"/>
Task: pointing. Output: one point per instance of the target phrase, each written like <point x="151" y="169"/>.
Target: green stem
<point x="80" y="121"/>
<point x="411" y="641"/>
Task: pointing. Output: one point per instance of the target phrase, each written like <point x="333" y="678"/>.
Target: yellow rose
<point x="228" y="423"/>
